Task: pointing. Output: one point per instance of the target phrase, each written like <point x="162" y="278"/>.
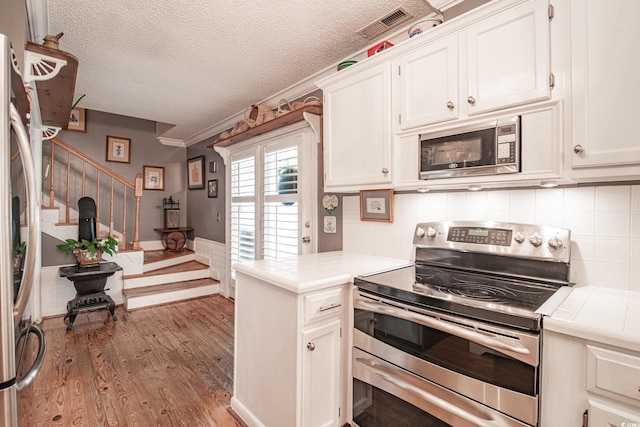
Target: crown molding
<point x="171" y="141"/>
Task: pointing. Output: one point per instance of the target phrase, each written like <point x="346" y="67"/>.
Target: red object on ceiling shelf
<point x="379" y="47"/>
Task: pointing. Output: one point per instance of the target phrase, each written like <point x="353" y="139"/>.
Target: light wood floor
<point x="169" y="365"/>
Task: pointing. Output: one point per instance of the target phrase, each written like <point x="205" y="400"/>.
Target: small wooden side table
<point x="174" y="239"/>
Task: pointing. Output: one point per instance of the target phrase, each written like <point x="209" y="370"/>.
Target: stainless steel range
<point x="455" y="339"/>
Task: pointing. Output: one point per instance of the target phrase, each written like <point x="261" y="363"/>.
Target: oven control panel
<point x="480" y="235"/>
<point x="513" y="239"/>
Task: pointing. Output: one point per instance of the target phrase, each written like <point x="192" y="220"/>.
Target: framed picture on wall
<point x="153" y="177"/>
<point x="376" y="205"/>
<point x="118" y="149"/>
<point x="78" y="120"/>
<point x="212" y="188"/>
<point x="195" y="172"/>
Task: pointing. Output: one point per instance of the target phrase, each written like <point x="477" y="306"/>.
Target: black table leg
<point x="88" y="302"/>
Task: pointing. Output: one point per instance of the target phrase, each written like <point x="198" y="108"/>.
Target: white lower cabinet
<point x="607" y="415"/>
<point x="321" y="370"/>
<point x="584" y="380"/>
<point x="288" y="353"/>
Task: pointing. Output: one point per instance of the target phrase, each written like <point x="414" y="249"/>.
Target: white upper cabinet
<point x="427" y="84"/>
<point x="500" y="62"/>
<point x="493" y="59"/>
<point x="605" y="90"/>
<point x="508" y="59"/>
<point x="357" y="130"/>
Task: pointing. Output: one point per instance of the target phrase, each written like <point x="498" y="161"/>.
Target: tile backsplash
<point x="604" y="223"/>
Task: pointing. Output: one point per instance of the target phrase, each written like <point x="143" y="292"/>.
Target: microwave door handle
<point x="33" y="218"/>
<point x="437" y="400"/>
<point x="496" y="343"/>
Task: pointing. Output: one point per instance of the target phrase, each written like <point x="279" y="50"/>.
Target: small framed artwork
<point x="195" y="172"/>
<point x="376" y="205"/>
<point x="153" y="177"/>
<point x="329" y="224"/>
<point x="118" y="149"/>
<point x="212" y="188"/>
<point x="78" y="120"/>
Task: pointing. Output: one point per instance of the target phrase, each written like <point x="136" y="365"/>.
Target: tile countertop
<point x="306" y="273"/>
<point x="608" y="316"/>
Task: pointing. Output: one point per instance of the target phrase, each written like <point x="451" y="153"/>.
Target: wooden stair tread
<point x="168" y="287"/>
<point x="179" y="268"/>
<point x="162" y="254"/>
<point x="61" y="224"/>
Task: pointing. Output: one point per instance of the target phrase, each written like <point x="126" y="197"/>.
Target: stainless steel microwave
<point x="486" y="149"/>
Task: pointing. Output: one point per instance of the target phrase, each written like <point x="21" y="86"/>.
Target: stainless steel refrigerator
<point x="15" y="286"/>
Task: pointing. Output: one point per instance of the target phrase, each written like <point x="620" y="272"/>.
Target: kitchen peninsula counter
<point x="292" y="335"/>
<point x="307" y="273"/>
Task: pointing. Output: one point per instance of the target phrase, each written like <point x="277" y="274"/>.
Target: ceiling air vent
<point x="386" y="23"/>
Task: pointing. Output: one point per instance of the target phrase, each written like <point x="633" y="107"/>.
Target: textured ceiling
<point x="196" y="63"/>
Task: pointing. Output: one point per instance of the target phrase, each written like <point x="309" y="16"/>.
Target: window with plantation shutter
<point x="280" y="211"/>
<point x="243" y="202"/>
<point x="273" y="192"/>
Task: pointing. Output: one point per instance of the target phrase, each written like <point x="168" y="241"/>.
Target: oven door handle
<point x="515" y="350"/>
<point x="436" y="400"/>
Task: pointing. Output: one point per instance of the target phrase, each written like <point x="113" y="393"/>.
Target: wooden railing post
<point x="136" y="227"/>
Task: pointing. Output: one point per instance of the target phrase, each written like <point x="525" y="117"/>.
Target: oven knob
<point x="535" y="239"/>
<point x="431" y="233"/>
<point x="519" y="237"/>
<point x="420" y="232"/>
<point x="555" y="243"/>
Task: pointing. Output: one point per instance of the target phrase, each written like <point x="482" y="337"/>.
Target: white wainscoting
<point x="215" y="255"/>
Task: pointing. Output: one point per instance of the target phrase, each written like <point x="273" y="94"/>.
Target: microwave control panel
<point x="506" y="136"/>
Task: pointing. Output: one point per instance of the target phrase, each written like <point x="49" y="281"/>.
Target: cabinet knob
<point x="578" y="149"/>
<point x="306" y="239"/>
<point x="450" y="105"/>
<point x="385" y="170"/>
<point x="311" y="346"/>
<point x="471" y="100"/>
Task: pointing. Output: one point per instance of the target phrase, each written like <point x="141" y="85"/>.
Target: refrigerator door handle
<point x="33" y="209"/>
<point x="25" y="380"/>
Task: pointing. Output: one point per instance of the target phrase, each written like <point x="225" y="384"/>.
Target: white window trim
<point x="307" y="183"/>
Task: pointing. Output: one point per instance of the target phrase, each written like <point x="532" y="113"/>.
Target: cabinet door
<point x="608" y="415"/>
<point x="605" y="90"/>
<point x="321" y="375"/>
<point x="428" y="84"/>
<point x="508" y="59"/>
<point x="357" y="136"/>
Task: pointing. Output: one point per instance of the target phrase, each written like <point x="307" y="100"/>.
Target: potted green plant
<point x="89" y="252"/>
<point x="18" y="256"/>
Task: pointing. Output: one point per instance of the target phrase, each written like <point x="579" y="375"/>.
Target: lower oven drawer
<point x="383" y="392"/>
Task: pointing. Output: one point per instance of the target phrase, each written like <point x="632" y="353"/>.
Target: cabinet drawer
<point x="322" y="305"/>
<point x="614" y="374"/>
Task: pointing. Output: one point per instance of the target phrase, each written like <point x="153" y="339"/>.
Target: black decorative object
<point x="171" y="212"/>
<point x="86" y="219"/>
<point x="89" y="283"/>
